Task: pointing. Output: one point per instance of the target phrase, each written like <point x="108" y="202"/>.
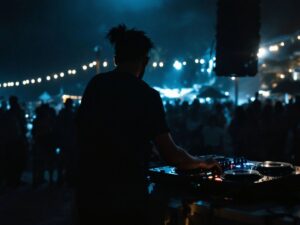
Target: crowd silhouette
<point x="259" y="130"/>
<point x="47" y="149"/>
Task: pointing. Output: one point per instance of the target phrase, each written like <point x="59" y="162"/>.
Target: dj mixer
<point x="241" y="178"/>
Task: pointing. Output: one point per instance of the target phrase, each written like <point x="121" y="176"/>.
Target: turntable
<point x="242" y="175"/>
<point x="275" y="169"/>
<point x="241" y="179"/>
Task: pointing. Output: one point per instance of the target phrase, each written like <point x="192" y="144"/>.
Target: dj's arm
<point x="180" y="158"/>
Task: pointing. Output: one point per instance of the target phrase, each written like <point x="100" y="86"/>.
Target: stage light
<point x="91" y="65"/>
<point x="55" y="76"/>
<point x="95" y="63"/>
<point x="282" y="44"/>
<point x="105" y="64"/>
<point x="32" y="81"/>
<point x="266" y="94"/>
<point x="84" y="67"/>
<point x="4" y="84"/>
<point x="69" y="71"/>
<point x="61" y="74"/>
<point x="202" y="61"/>
<point x="154" y="64"/>
<point x="39" y="80"/>
<point x="177" y="65"/>
<point x="48" y="78"/>
<point x="184" y="63"/>
<point x="232" y="78"/>
<point x="196" y="61"/>
<point x="295" y="76"/>
<point x="161" y="64"/>
<point x="24" y="82"/>
<point x="74" y="72"/>
<point x="17" y="83"/>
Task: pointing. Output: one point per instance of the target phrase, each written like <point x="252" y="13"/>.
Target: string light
<point x="273" y="48"/>
<point x="177" y="65"/>
<point x="105" y="64"/>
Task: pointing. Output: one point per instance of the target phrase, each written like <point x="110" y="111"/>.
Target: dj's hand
<point x="214" y="166"/>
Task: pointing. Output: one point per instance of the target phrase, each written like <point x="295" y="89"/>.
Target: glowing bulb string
<point x="177" y="64"/>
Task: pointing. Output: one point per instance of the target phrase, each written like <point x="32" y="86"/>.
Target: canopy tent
<point x="211" y="92"/>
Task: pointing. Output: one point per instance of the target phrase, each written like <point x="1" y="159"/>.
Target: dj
<point x="119" y="118"/>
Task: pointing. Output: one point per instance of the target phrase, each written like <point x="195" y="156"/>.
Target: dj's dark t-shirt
<point x="118" y="118"/>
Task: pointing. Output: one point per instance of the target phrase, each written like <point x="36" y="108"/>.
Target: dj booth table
<point x="203" y="213"/>
<point x="272" y="201"/>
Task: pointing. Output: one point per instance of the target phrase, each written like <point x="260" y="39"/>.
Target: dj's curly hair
<point x="129" y="44"/>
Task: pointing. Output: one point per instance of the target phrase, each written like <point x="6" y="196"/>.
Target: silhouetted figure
<point x="16" y="145"/>
<point x="44" y="144"/>
<point x="237" y="131"/>
<point x="213" y="136"/>
<point x="119" y="117"/>
<point x="67" y="157"/>
<point x="3" y="111"/>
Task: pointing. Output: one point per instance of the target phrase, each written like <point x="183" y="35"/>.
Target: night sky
<point x="39" y="37"/>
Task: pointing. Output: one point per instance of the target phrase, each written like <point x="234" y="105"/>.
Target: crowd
<point x="48" y="149"/>
<point x="268" y="130"/>
<point x="258" y="131"/>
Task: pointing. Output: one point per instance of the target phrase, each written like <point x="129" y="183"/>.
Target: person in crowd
<point x="44" y="144"/>
<point x="3" y="111"/>
<point x="66" y="142"/>
<point x="213" y="136"/>
<point x="118" y="119"/>
<point x="15" y="140"/>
